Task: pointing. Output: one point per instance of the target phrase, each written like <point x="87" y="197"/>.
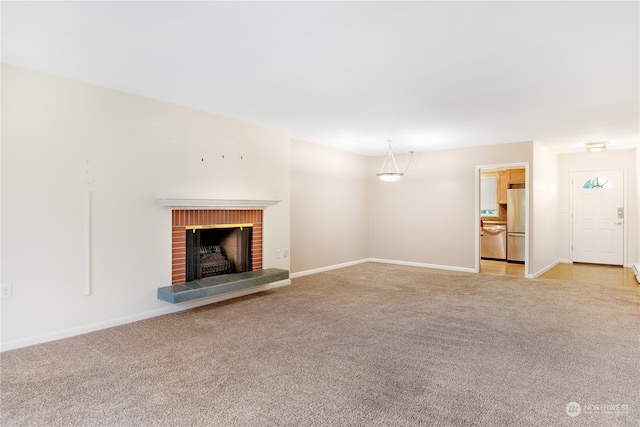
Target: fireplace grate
<point x="212" y="261"/>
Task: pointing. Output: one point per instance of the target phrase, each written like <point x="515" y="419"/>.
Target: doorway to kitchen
<point x="502" y="219"/>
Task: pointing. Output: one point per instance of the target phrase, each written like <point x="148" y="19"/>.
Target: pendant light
<point x="390" y="171"/>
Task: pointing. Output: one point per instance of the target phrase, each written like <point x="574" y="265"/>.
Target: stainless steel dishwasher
<point x="493" y="242"/>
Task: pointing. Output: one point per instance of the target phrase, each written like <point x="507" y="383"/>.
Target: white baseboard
<point x="170" y="308"/>
<point x="384" y="261"/>
<point x="327" y="268"/>
<point x="423" y="265"/>
<point x="545" y="269"/>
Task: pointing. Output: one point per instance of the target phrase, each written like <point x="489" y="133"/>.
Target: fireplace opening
<point x="212" y="250"/>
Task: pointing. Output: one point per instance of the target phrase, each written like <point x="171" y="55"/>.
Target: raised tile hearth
<point x="216" y="285"/>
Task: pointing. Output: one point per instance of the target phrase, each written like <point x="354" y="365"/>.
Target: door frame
<point x="624" y="204"/>
<point x="527" y="195"/>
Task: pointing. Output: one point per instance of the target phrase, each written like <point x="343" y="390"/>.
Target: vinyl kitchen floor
<point x="572" y="272"/>
<point x="501" y="268"/>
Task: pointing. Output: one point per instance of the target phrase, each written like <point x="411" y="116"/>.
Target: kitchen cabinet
<point x="502" y="187"/>
<point x="504" y="178"/>
<point x="515" y="176"/>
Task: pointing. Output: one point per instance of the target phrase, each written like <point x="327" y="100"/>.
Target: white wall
<point x="61" y="138"/>
<point x="429" y="215"/>
<point x="543" y="224"/>
<point x="609" y="159"/>
<point x="329" y="207"/>
<point x="637" y="257"/>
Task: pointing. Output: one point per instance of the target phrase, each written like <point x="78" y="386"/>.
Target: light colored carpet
<point x="367" y="345"/>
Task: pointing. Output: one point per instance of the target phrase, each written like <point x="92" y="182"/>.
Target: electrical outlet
<point x="286" y="253"/>
<point x="5" y="291"/>
<point x="277" y="253"/>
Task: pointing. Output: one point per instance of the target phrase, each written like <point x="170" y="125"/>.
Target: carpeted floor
<point x="367" y="345"/>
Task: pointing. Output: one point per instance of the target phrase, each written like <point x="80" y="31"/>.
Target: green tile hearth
<point x="216" y="285"/>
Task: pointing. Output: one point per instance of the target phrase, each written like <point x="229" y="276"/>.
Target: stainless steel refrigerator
<point x="516" y="207"/>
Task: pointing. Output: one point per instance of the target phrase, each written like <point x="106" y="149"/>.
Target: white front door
<point x="598" y="217"/>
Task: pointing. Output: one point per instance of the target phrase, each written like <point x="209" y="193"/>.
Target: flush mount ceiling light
<point x="596" y="147"/>
<point x="389" y="171"/>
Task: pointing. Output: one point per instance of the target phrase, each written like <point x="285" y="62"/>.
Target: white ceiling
<point x="427" y="75"/>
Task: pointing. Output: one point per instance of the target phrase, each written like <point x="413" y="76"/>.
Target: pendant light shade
<point x="389" y="171"/>
<point x="389" y="176"/>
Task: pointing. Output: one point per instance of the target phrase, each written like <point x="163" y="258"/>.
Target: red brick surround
<point x="182" y="218"/>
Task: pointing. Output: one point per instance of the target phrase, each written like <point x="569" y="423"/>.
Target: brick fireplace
<point x="183" y="218"/>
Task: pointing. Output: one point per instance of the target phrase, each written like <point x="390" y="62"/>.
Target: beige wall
<point x="429" y="215"/>
<point x="329" y="207"/>
<point x="61" y="138"/>
<point x="609" y="159"/>
<point x="637" y="247"/>
<point x="544" y="222"/>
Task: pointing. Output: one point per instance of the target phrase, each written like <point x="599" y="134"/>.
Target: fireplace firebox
<point x="212" y="250"/>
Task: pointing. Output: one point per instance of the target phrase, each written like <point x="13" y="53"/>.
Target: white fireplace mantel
<point x="182" y="203"/>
